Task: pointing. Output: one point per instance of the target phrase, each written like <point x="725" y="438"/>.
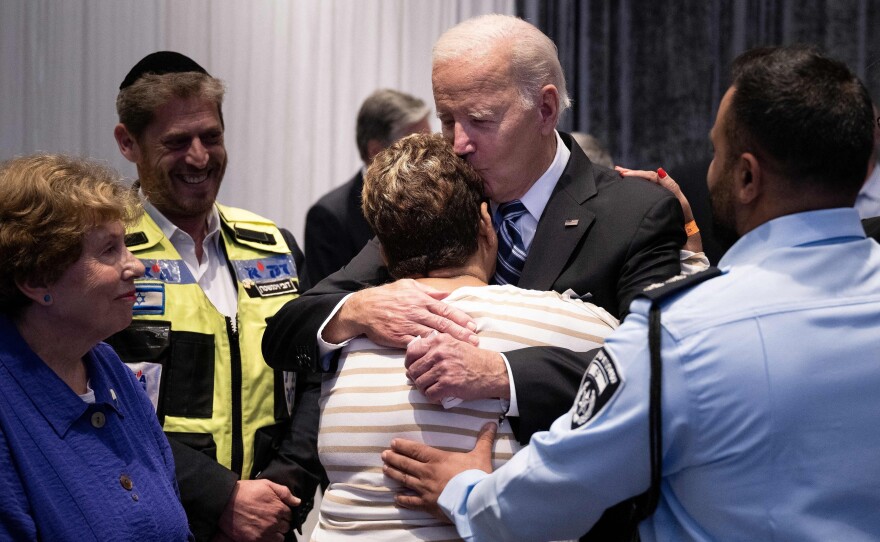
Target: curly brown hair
<point x="423" y="203"/>
<point x="47" y="204"/>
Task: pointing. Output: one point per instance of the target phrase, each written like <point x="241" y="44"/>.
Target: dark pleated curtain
<point x="646" y="76"/>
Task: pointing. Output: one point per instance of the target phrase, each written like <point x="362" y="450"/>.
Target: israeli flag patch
<point x="598" y="385"/>
<point x="149" y="298"/>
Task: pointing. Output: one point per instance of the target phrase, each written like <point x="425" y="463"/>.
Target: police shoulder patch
<point x="678" y="283"/>
<point x="600" y="382"/>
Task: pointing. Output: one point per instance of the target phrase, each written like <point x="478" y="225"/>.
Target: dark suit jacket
<point x="599" y="234"/>
<point x="872" y="227"/>
<point x="335" y="230"/>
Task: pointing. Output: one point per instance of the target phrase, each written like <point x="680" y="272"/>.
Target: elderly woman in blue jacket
<point x="82" y="455"/>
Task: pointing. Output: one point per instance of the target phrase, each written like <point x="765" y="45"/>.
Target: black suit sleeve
<point x="205" y="488"/>
<point x="546" y="381"/>
<point x="296" y="464"/>
<point x="291" y="335"/>
<point x="654" y="251"/>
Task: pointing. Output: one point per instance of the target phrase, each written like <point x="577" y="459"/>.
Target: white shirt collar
<point x="868" y="200"/>
<point x="791" y="231"/>
<point x="211" y="273"/>
<point x="170" y="230"/>
<point x="536" y="198"/>
<point x="872" y="183"/>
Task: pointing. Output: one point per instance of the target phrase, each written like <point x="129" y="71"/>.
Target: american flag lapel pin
<point x="571" y="222"/>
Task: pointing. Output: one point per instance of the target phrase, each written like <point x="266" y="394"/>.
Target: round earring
<point x="47" y="298"/>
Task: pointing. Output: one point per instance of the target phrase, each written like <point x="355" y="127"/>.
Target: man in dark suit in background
<point x="584" y="229"/>
<point x="335" y="226"/>
<point x="499" y="91"/>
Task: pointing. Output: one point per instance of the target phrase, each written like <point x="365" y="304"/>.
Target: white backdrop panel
<point x="296" y="72"/>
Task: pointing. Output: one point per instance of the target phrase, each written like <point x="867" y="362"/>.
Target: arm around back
<point x="635" y="241"/>
<point x="291" y="335"/>
<point x="654" y="251"/>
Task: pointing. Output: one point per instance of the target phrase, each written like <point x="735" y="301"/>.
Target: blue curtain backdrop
<point x="646" y="76"/>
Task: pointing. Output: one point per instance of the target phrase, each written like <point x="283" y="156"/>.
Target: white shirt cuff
<point x="325" y="348"/>
<point x="511" y="407"/>
<point x="693" y="262"/>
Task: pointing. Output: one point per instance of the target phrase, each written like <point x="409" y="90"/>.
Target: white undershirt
<point x="89" y="395"/>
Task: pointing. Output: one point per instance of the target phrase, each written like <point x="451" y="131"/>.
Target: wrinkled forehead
<point x="480" y="62"/>
<point x="471" y="80"/>
<point x="185" y="114"/>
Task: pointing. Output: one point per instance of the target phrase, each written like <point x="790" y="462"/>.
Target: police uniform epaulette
<point x="678" y="283"/>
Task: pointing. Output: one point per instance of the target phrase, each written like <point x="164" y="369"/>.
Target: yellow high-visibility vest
<point x="204" y="371"/>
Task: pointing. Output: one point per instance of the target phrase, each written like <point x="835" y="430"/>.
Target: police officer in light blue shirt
<point x="770" y="372"/>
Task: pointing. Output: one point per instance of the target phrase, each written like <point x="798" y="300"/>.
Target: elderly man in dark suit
<point x="564" y="224"/>
<point x="499" y="91"/>
<point x="335" y="226"/>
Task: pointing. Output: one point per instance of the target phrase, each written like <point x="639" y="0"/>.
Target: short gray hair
<point x="384" y="116"/>
<point x="534" y="60"/>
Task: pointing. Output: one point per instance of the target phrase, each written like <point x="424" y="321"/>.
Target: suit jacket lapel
<point x="558" y="234"/>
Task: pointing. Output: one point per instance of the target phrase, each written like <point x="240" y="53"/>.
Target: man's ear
<point x="748" y="179"/>
<point x="487" y="229"/>
<point x="548" y="108"/>
<point x="128" y="145"/>
<point x="374" y="147"/>
<point x="487" y="243"/>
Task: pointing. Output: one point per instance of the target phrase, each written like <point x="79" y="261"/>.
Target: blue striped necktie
<point x="511" y="249"/>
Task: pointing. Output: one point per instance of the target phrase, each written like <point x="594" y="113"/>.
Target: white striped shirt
<point x="369" y="401"/>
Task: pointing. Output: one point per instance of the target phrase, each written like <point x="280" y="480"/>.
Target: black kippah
<point x="159" y="63"/>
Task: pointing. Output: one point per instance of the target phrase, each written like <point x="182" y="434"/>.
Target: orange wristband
<point x="691" y="228"/>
